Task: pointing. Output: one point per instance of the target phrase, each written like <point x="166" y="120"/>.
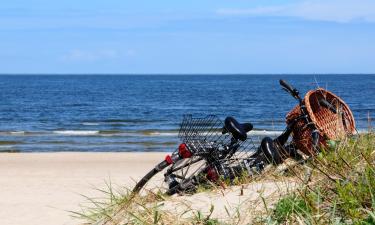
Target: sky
<point x="187" y="37"/>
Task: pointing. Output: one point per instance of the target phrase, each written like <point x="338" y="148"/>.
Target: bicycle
<point x="224" y="149"/>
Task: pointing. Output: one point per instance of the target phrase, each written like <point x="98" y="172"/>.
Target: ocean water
<point x="142" y="113"/>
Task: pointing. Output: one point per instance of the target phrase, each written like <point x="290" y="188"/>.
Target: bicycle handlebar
<point x="290" y="89"/>
<point x="295" y="93"/>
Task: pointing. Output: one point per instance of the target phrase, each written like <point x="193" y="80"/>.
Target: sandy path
<point x="38" y="188"/>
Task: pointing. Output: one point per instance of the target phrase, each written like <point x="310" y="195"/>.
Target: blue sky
<point x="212" y="36"/>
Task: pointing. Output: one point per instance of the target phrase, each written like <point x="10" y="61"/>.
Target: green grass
<point x="336" y="187"/>
<point x="200" y="218"/>
<point x="288" y="206"/>
<point x="341" y="189"/>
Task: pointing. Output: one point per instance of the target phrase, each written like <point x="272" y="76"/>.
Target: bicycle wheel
<point x="140" y="184"/>
<point x="182" y="176"/>
<point x="178" y="170"/>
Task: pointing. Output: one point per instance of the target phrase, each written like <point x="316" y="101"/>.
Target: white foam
<point x="6" y="146"/>
<point x="163" y="134"/>
<point x="250" y="133"/>
<point x="76" y="132"/>
<point x="363" y="131"/>
<point x="90" y="124"/>
<point x="17" y="132"/>
<point x="264" y="132"/>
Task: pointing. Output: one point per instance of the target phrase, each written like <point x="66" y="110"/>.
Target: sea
<point x="122" y="113"/>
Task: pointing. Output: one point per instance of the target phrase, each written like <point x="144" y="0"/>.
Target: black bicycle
<point x="211" y="149"/>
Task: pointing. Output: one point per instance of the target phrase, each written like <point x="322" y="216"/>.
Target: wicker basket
<point x="331" y="126"/>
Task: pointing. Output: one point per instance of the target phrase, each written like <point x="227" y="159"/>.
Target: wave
<point x="175" y="133"/>
<point x="115" y="133"/>
<point x="133" y="133"/>
<point x="122" y="121"/>
<point x="17" y="132"/>
<point x="90" y="124"/>
<point x="150" y="143"/>
<point x="158" y="133"/>
<point x="162" y="133"/>
<point x="264" y="133"/>
<point x="76" y="132"/>
<point x="6" y="146"/>
<point x="12" y="132"/>
<point x="364" y="131"/>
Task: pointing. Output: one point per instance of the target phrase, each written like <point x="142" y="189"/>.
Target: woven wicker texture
<point x="331" y="126"/>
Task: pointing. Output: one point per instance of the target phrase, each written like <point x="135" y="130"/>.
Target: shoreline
<point x="40" y="188"/>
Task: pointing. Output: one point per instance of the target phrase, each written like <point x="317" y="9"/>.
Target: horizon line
<point x="174" y="74"/>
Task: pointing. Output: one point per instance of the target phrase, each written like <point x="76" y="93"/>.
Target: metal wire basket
<point x="205" y="134"/>
<point x="202" y="134"/>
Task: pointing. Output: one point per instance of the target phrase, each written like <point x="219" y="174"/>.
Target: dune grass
<point x="340" y="188"/>
<point x="336" y="187"/>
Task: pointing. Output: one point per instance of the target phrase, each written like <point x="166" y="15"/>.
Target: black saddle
<point x="238" y="130"/>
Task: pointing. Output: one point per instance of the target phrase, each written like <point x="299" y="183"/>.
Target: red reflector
<point x="212" y="174"/>
<point x="183" y="151"/>
<point x="168" y="159"/>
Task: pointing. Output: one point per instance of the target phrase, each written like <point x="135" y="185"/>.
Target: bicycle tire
<point x="187" y="184"/>
<point x="141" y="183"/>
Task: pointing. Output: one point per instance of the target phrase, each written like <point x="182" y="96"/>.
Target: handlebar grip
<point x="287" y="86"/>
<point x="292" y="91"/>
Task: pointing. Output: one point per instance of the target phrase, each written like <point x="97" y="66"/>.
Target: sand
<point x="232" y="205"/>
<point x="40" y="188"/>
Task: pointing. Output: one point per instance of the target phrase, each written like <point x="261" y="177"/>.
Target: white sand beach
<point x="40" y="188"/>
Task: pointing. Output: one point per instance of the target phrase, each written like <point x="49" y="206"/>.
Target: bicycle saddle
<point x="238" y="130"/>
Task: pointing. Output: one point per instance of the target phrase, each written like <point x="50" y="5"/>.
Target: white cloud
<point x="89" y="56"/>
<point x="251" y="11"/>
<point x="341" y="11"/>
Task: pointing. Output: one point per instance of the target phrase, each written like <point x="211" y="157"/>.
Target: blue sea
<point x="40" y="113"/>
